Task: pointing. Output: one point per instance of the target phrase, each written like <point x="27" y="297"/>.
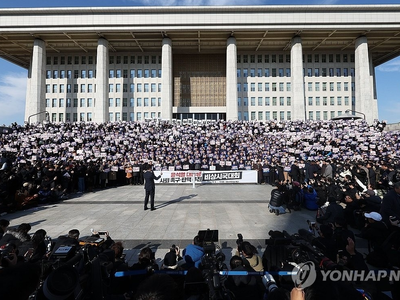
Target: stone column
<point x="364" y="95"/>
<point x="231" y="80"/>
<point x="374" y="92"/>
<point x="100" y="112"/>
<point x="166" y="80"/>
<point x="36" y="85"/>
<point x="297" y="80"/>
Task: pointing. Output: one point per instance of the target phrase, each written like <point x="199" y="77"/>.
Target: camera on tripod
<point x="212" y="263"/>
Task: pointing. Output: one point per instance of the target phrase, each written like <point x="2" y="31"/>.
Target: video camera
<point x="209" y="237"/>
<point x="212" y="263"/>
<point x="83" y="266"/>
<point x="285" y="249"/>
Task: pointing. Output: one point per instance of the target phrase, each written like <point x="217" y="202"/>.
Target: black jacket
<point x="149" y="178"/>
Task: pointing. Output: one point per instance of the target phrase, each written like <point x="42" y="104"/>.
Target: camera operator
<point x="172" y="258"/>
<point x="325" y="242"/>
<point x="108" y="241"/>
<point x="351" y="258"/>
<point x="16" y="236"/>
<point x="341" y="234"/>
<point x="118" y="285"/>
<point x="37" y="249"/>
<point x="371" y="201"/>
<point x="193" y="253"/>
<point x="146" y="261"/>
<point x="70" y="239"/>
<point x="333" y="211"/>
<point x="375" y="230"/>
<point x="352" y="201"/>
<point x="250" y="256"/>
<point x="244" y="286"/>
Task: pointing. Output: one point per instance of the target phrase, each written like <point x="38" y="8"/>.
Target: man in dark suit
<point x="149" y="186"/>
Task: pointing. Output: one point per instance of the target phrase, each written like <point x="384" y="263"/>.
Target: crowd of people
<point x="346" y="171"/>
<point x="47" y="162"/>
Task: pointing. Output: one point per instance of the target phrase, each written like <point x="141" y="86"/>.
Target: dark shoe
<point x="153" y="208"/>
<point x="146" y="208"/>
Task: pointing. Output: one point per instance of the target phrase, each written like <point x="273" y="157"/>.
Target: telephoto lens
<point x="269" y="282"/>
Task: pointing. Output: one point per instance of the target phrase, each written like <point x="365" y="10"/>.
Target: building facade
<point x="205" y="63"/>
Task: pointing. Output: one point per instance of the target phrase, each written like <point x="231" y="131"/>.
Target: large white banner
<point x="238" y="176"/>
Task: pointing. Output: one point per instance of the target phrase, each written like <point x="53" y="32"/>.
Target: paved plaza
<point x="181" y="211"/>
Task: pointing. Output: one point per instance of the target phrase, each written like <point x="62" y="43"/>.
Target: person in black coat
<point x="149" y="186"/>
<point x="295" y="171"/>
<point x="391" y="204"/>
<point x="244" y="286"/>
<point x="375" y="230"/>
<point x="332" y="212"/>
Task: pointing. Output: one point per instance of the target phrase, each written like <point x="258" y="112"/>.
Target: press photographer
<point x="249" y="253"/>
<point x="78" y="268"/>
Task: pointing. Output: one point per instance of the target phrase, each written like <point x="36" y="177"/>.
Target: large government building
<point x="200" y="63"/>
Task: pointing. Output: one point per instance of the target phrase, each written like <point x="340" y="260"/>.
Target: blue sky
<point x="13" y="78"/>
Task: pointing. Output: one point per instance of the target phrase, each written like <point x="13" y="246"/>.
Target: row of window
<point x="88" y="117"/>
<point x="75" y="102"/>
<point x="329" y="58"/>
<point x="268" y="115"/>
<point x="69" y="88"/>
<point x="286" y="86"/>
<point x="139" y="102"/>
<point x="90" y="102"/>
<point x="90" y="88"/>
<point x="69" y="74"/>
<point x="316" y="86"/>
<point x="281" y="58"/>
<point x="265" y="87"/>
<point x="260" y="72"/>
<point x="68" y="117"/>
<point x="90" y="60"/>
<point x="332" y="101"/>
<point x="145" y="87"/>
<point x="285" y="72"/>
<point x="118" y="73"/>
<point x="135" y="73"/>
<point x="329" y="72"/>
<point x="69" y="60"/>
<point x="265" y="101"/>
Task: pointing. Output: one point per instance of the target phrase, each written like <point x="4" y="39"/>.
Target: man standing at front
<point x="150" y="186"/>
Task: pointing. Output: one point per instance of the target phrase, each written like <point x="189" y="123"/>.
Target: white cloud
<point x="12" y="97"/>
<point x="391" y="66"/>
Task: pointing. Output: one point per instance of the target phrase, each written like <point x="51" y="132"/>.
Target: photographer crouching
<point x="249" y="254"/>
